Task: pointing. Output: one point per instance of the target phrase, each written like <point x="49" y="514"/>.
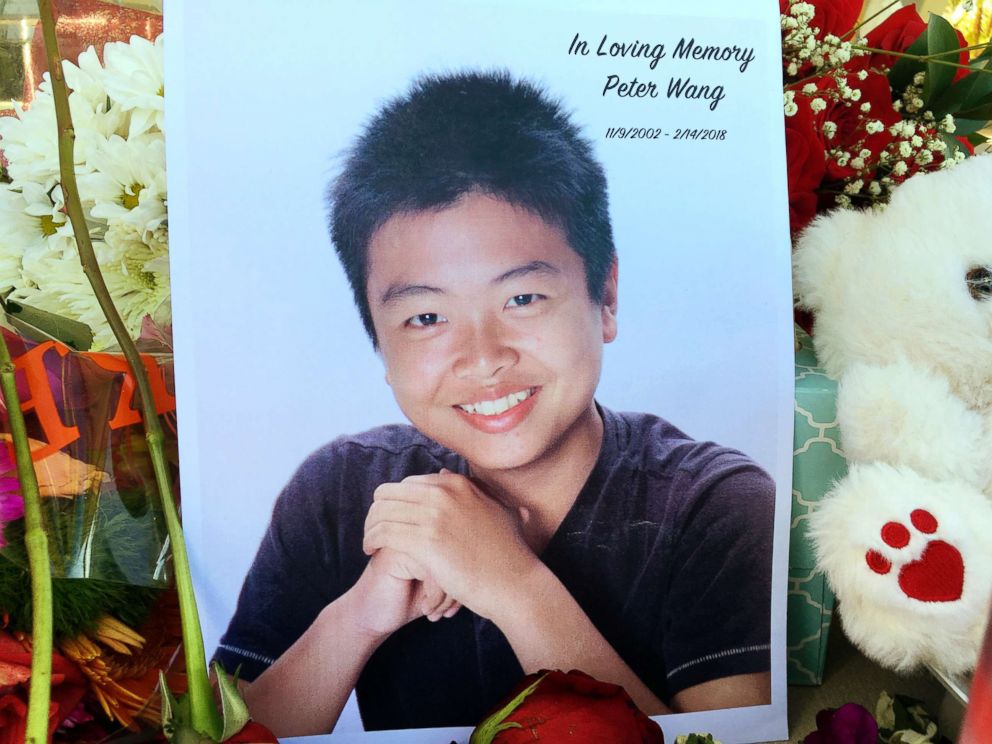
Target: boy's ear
<point x="609" y="309"/>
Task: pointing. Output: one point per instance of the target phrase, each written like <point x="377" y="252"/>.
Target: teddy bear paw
<point x="936" y="576"/>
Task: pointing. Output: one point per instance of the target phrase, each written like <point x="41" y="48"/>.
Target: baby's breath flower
<point x="947" y="124"/>
<point x="809" y="89"/>
<point x="862" y="74"/>
<point x="829" y="129"/>
<point x="858" y="163"/>
<point x="854" y="186"/>
<point x="874" y="188"/>
<point x="900" y="168"/>
<point x="865" y="107"/>
<point x="904" y="149"/>
<point x="817" y="105"/>
<point x="874" y="126"/>
<point x="843" y="200"/>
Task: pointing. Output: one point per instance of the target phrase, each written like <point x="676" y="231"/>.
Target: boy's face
<point x="491" y="343"/>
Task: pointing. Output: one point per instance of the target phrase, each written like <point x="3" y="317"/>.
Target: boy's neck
<point x="547" y="488"/>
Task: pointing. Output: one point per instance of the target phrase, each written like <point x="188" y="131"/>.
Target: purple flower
<point x="11" y="502"/>
<point x="849" y="724"/>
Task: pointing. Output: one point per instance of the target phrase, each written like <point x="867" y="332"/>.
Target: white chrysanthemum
<point x="30" y="140"/>
<point x="120" y="165"/>
<point x="134" y="77"/>
<point x="135" y="275"/>
<point x="128" y="182"/>
<point x="31" y="229"/>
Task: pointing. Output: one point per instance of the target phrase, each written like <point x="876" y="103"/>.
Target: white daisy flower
<point x="128" y="182"/>
<point x="134" y="78"/>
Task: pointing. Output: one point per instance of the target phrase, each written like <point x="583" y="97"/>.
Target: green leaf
<point x="966" y="93"/>
<point x="952" y="145"/>
<point x="964" y="127"/>
<point x="904" y="69"/>
<point x="233" y="710"/>
<point x="487" y="730"/>
<point x="884" y="713"/>
<point x="41" y="325"/>
<point x="977" y="139"/>
<point x="169" y="707"/>
<point x="982" y="111"/>
<point x="941" y="38"/>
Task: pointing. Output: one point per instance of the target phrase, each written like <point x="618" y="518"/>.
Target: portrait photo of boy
<point x="515" y="524"/>
<point x="471" y="388"/>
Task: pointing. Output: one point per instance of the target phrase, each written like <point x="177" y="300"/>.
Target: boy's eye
<point x="523" y="299"/>
<point x="425" y="320"/>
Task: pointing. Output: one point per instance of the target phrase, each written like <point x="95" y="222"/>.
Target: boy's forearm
<point x="307" y="687"/>
<point x="547" y="629"/>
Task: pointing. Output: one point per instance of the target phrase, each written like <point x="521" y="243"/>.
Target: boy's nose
<point x="484" y="353"/>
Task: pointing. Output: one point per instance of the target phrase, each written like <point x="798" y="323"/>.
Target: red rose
<point x="897" y="33"/>
<point x="835" y="17"/>
<point x="574" y="707"/>
<point x="68" y="688"/>
<point x="807" y="163"/>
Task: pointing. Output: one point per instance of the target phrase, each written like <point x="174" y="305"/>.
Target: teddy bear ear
<point x="820" y="253"/>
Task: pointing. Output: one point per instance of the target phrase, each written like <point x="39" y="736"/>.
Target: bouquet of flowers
<point x="864" y="113"/>
<point x="118" y="108"/>
<point x="100" y="504"/>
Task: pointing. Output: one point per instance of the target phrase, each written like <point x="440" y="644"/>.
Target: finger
<point x="400" y="512"/>
<point x="431" y="598"/>
<point x="447" y="602"/>
<point x="403" y="538"/>
<point x="453" y="610"/>
<point x="401" y="566"/>
<point x="412" y="491"/>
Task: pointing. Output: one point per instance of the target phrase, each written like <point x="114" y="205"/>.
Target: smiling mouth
<point x="498" y="406"/>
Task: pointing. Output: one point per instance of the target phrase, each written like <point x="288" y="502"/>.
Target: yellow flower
<point x="122" y="665"/>
<point x="973" y="18"/>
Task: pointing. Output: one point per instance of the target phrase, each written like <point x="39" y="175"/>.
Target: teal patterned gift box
<point x="817" y="462"/>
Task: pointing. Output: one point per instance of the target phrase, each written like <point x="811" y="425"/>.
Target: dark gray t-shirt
<point x="667" y="549"/>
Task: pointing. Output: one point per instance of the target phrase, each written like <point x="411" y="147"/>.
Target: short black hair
<point x="471" y="132"/>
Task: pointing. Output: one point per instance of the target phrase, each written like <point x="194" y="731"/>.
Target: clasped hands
<point x="438" y="542"/>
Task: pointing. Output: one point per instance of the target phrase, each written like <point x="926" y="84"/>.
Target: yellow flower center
<point x="136" y="271"/>
<point x="130" y="197"/>
<point x="48" y="225"/>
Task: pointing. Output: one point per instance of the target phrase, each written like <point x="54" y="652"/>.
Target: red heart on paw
<point x="938" y="576"/>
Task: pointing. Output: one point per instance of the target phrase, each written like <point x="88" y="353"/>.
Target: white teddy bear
<point x="903" y="307"/>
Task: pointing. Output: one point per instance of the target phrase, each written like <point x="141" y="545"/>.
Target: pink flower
<point x="11" y="502"/>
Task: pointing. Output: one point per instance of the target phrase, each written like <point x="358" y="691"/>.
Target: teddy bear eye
<point x="979" y="281"/>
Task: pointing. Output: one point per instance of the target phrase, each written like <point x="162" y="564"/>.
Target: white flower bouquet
<point x="118" y="110"/>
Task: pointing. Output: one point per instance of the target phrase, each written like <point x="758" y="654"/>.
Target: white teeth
<point x="496" y="407"/>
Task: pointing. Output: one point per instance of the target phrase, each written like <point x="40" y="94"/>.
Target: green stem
<point x="203" y="711"/>
<point x="36" y="542"/>
<point x="924" y="57"/>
